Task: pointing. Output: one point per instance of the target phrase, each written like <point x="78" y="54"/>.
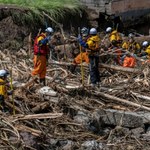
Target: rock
<point x="29" y="139"/>
<point x="52" y="99"/>
<point x="117" y="133"/>
<point x="53" y="141"/>
<point x="130" y="147"/>
<point x="137" y="131"/>
<point x="65" y="144"/>
<point x="82" y="118"/>
<point x="92" y="145"/>
<point x="17" y="84"/>
<point x="106" y="131"/>
<point x="123" y="118"/>
<point x="46" y="90"/>
<point x="148" y="131"/>
<point x="96" y="126"/>
<point x="68" y="146"/>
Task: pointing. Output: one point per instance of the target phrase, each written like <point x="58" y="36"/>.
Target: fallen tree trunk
<point x="114" y="98"/>
<point x="60" y="25"/>
<point x="107" y="66"/>
<point x="119" y="68"/>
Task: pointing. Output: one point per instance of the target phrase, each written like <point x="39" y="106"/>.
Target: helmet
<point x="131" y="35"/>
<point x="145" y="43"/>
<point x="84" y="31"/>
<point x="49" y="30"/>
<point x="4" y="73"/>
<point x="93" y="31"/>
<point x="109" y="29"/>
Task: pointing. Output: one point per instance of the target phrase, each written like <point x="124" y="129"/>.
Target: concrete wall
<point x="130" y="9"/>
<point x="118" y="6"/>
<point x="97" y="5"/>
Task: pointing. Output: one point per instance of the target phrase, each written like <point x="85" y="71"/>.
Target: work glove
<point x="48" y="38"/>
<point x="44" y="41"/>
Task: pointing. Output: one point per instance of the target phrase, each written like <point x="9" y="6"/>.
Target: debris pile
<point x="66" y="115"/>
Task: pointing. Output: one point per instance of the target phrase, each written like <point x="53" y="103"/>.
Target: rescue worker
<point x="131" y="45"/>
<point x="4" y="89"/>
<point x="93" y="46"/>
<point x="83" y="57"/>
<point x="41" y="54"/>
<point x="115" y="39"/>
<point x="129" y="61"/>
<point x="146" y="48"/>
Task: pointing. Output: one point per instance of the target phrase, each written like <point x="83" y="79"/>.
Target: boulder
<point x="92" y="145"/>
<point x="47" y="91"/>
<point x="123" y="118"/>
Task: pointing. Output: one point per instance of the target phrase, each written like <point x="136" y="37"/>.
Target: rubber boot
<point x="43" y="82"/>
<point x="72" y="68"/>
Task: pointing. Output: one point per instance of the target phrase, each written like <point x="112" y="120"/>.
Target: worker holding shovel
<point x="93" y="46"/>
<point x="83" y="55"/>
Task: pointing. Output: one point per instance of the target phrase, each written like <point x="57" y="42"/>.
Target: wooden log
<point x="38" y="116"/>
<point x="114" y="98"/>
<point x="107" y="66"/>
<point x="30" y="82"/>
<point x="15" y="107"/>
<point x="40" y="107"/>
<point x="28" y="129"/>
<point x="141" y="96"/>
<point x="60" y="25"/>
<point x="119" y="68"/>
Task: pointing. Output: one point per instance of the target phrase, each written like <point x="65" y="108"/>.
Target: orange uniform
<point x="129" y="62"/>
<point x="39" y="66"/>
<point x="85" y="58"/>
<point x="41" y="52"/>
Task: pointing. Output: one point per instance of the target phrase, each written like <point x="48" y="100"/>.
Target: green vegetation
<point x="44" y="4"/>
<point x="57" y="9"/>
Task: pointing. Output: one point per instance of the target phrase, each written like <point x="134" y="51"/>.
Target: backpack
<point x="37" y="48"/>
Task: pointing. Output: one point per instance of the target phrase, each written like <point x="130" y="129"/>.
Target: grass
<point x="57" y="9"/>
<point x="42" y="3"/>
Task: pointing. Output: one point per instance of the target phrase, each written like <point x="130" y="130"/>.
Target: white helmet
<point x="84" y="31"/>
<point x="49" y="30"/>
<point x="109" y="29"/>
<point x="145" y="43"/>
<point x="131" y="35"/>
<point x="4" y="73"/>
<point x="93" y="31"/>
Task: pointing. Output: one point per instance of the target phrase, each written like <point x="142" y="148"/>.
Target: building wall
<point x="116" y="6"/>
<point x="97" y="5"/>
<point x="130" y="9"/>
<point x="127" y="9"/>
<point x="119" y="6"/>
